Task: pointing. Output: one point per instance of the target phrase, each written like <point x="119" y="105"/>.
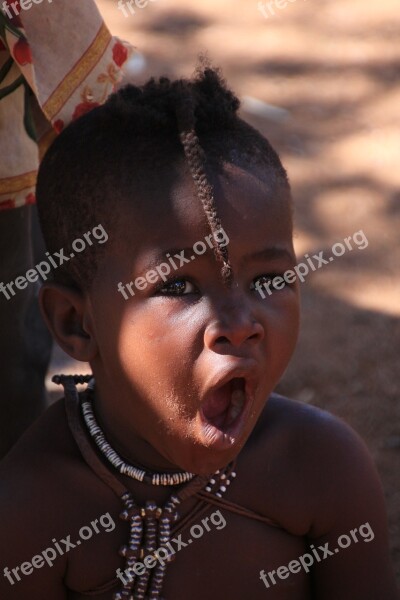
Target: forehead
<point x="249" y="203"/>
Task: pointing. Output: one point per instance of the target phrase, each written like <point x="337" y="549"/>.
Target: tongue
<point x="217" y="404"/>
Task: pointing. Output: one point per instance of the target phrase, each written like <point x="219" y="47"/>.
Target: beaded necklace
<point x="150" y="526"/>
<point x="114" y="458"/>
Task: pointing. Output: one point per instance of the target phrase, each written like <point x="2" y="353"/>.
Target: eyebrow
<point x="187" y="252"/>
<point x="268" y="254"/>
<point x="162" y="257"/>
<point x="171" y="252"/>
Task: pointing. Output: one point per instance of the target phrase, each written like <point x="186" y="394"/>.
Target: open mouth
<point x="224" y="412"/>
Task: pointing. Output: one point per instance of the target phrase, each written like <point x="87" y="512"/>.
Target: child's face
<point x="165" y="362"/>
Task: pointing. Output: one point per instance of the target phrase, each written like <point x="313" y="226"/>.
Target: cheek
<point x="282" y="329"/>
<point x="150" y="348"/>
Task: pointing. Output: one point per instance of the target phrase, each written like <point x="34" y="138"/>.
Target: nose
<point x="234" y="326"/>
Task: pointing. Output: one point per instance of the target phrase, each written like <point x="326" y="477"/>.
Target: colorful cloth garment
<point x="57" y="61"/>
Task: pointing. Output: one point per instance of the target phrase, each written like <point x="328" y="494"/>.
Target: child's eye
<point x="266" y="279"/>
<point x="177" y="287"/>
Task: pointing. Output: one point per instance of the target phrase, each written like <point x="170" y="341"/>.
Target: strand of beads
<point x="131" y="552"/>
<point x="78" y="379"/>
<point x="95" y="431"/>
<point x="143" y="532"/>
<point x="219" y="487"/>
<point x="168" y="516"/>
<point x="151" y="513"/>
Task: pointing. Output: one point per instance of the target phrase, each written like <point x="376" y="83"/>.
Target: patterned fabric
<point x="57" y="61"/>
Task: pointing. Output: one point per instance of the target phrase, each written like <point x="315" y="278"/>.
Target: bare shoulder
<point x="41" y="469"/>
<point x="316" y="478"/>
<point x="40" y="480"/>
<point x="45" y="456"/>
<point x="317" y="456"/>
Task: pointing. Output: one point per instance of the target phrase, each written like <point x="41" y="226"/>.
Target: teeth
<point x="237" y="402"/>
<point x="234" y="412"/>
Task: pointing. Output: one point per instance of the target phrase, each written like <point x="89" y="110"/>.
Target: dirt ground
<point x="321" y="80"/>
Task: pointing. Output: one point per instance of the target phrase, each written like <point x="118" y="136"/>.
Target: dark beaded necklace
<point x="150" y="526"/>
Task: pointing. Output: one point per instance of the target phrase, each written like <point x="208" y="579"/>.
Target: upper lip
<point x="244" y="368"/>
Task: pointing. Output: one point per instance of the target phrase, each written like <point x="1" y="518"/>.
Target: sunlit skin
<point x="155" y="357"/>
<point x="157" y="353"/>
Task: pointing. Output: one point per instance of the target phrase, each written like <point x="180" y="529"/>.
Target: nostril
<point x="233" y="334"/>
<point x="254" y="336"/>
<point x="222" y="339"/>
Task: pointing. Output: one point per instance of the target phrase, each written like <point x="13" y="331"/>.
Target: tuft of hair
<point x="103" y="161"/>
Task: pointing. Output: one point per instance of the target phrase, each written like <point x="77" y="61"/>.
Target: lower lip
<point x="223" y="440"/>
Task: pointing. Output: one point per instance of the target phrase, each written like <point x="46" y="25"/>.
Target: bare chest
<point x="220" y="555"/>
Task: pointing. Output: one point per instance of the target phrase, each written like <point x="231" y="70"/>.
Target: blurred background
<point x="321" y="79"/>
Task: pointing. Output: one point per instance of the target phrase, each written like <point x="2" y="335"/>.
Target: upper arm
<point x="349" y="533"/>
<point x="24" y="534"/>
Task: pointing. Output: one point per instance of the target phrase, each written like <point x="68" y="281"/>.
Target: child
<point x="178" y="473"/>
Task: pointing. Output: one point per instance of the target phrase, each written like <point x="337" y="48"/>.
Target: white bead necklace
<point x="116" y="460"/>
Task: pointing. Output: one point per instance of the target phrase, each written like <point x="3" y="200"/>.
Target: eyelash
<point x="268" y="277"/>
<point x="182" y="280"/>
<point x="160" y="291"/>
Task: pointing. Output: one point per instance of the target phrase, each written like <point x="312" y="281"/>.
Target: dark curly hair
<point x="139" y="140"/>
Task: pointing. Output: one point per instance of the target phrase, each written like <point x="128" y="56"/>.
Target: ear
<point x="66" y="313"/>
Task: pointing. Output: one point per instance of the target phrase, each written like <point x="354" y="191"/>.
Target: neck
<point x="125" y="440"/>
